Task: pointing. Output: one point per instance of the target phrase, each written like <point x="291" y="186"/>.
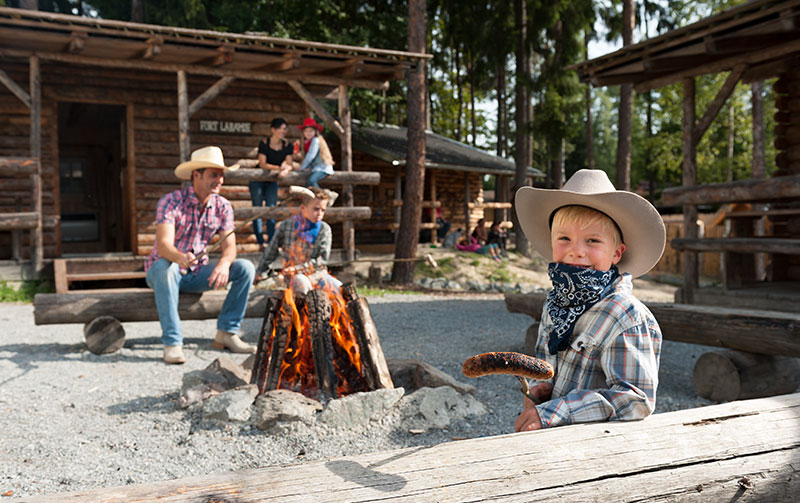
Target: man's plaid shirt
<point x="610" y="370"/>
<point x="194" y="223"/>
<point x="283" y="242"/>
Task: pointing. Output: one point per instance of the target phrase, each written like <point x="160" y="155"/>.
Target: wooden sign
<point x="226" y="127"/>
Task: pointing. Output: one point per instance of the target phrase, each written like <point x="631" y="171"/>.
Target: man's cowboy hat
<point x="206" y="157"/>
<point x="642" y="228"/>
<point x="309" y="122"/>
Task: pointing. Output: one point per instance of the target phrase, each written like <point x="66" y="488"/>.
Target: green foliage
<point x="26" y="291"/>
<point x="445" y="267"/>
<point x="501" y="274"/>
<point x="381" y="292"/>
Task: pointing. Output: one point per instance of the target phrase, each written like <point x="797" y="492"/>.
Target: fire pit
<point x="323" y="344"/>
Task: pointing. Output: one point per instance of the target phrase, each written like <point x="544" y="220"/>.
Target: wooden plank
<point x="741" y="191"/>
<point x="691" y="267"/>
<point x="184" y="142"/>
<point x="99" y="276"/>
<point x="727" y="327"/>
<point x="134" y="304"/>
<point x="209" y="94"/>
<point x="739" y="245"/>
<point x="332" y="215"/>
<point x="60" y="275"/>
<point x="25" y="220"/>
<point x="15" y="88"/>
<point x="701" y="454"/>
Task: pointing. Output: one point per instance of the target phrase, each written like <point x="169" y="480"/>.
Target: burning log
<point x="322" y="344"/>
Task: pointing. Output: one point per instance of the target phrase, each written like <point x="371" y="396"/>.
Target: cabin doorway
<point x="91" y="162"/>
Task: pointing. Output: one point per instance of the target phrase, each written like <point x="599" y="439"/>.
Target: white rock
<point x="230" y="405"/>
<point x="437" y="407"/>
<point x="359" y="409"/>
<point x="283" y="406"/>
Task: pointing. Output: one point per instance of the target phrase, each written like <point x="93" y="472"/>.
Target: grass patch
<point x="380" y="292"/>
<point x="446" y="266"/>
<point x="501" y="275"/>
<point x="26" y="291"/>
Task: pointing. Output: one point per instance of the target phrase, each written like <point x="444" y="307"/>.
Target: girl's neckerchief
<point x="575" y="290"/>
<point x="306" y="229"/>
<point x="307" y="144"/>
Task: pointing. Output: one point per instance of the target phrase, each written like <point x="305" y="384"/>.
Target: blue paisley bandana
<point x="574" y="291"/>
<point x="306" y="229"/>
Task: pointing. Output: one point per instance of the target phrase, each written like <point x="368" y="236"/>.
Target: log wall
<point x="153" y="97"/>
<point x="449" y="190"/>
<point x="787" y="142"/>
<point x="671" y="262"/>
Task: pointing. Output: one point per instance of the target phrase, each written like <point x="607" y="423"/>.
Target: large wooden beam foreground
<point x="744" y="451"/>
<point x="754" y="331"/>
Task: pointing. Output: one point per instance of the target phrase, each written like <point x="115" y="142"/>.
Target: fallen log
<point x="732" y="328"/>
<point x="738" y="451"/>
<point x="724" y="376"/>
<point x="133" y="304"/>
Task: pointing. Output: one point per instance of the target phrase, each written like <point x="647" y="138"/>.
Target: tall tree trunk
<point x="759" y="165"/>
<point x="625" y="106"/>
<point x="648" y="154"/>
<point x="137" y="11"/>
<point x="473" y="121"/>
<point x="589" y="132"/>
<point x="501" y="109"/>
<point x="522" y="98"/>
<point x="408" y="234"/>
<point x="459" y="94"/>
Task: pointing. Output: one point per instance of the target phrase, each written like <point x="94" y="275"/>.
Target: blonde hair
<point x="585" y="216"/>
<point x="325" y="151"/>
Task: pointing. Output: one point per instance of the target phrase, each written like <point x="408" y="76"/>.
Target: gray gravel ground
<point x="72" y="420"/>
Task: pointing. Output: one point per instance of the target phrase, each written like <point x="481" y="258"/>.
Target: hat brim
<point x="184" y="169"/>
<point x="642" y="228"/>
<point x="318" y="127"/>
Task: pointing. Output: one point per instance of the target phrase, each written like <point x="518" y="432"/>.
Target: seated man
<point x="186" y="220"/>
<point x="304" y="242"/>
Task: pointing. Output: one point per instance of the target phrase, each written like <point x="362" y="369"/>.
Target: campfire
<point x="322" y="344"/>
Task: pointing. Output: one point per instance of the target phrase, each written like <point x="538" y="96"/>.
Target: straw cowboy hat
<point x="206" y="157"/>
<point x="642" y="228"/>
<point x="309" y="122"/>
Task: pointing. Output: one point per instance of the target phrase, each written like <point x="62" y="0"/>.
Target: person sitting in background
<point x="274" y="154"/>
<point x="469" y="243"/>
<point x="315" y="153"/>
<point x="479" y="233"/>
<point x="498" y="236"/>
<point x="304" y="242"/>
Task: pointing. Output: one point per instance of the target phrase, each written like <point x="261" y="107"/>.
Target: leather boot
<point x="225" y="340"/>
<point x="174" y="354"/>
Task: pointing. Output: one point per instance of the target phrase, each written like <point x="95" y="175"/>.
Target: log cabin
<point x="106" y="109"/>
<point x="753" y="42"/>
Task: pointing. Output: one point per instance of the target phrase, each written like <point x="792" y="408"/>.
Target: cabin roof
<point x="389" y="143"/>
<point x="83" y="40"/>
<point x="758" y="35"/>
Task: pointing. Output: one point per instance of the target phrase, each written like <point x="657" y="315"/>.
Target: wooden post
<point x="183" y="117"/>
<point x="466" y="203"/>
<point x="434" y="231"/>
<point x="130" y="175"/>
<point x="326" y="117"/>
<point x="347" y="165"/>
<point x="759" y="171"/>
<point x="690" y="265"/>
<point x="37" y="253"/>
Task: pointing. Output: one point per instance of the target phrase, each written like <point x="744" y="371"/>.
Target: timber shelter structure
<point x="88" y="146"/>
<point x="755" y="41"/>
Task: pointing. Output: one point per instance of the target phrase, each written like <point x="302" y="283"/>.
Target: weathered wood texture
<point x="377" y="371"/>
<point x="319" y="328"/>
<point x="104" y="334"/>
<point x="762" y="332"/>
<point x="739" y="245"/>
<point x="133" y="304"/>
<point x="782" y="187"/>
<point x="743" y="451"/>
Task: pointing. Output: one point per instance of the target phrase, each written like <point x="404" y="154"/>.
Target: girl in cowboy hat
<point x="316" y="154"/>
<point x="604" y="344"/>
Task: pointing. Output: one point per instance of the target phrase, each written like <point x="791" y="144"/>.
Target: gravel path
<point x="72" y="420"/>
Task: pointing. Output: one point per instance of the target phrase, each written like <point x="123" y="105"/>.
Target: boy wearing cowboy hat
<point x="603" y="343"/>
<point x="186" y="220"/>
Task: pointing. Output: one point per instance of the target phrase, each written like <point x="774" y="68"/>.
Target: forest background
<point x="499" y="79"/>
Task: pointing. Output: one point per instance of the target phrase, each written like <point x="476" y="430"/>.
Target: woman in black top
<point x="274" y="154"/>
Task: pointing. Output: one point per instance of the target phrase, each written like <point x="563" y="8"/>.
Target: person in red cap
<point x="316" y="154"/>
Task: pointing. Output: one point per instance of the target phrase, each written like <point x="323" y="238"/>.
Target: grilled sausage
<point x="509" y="363"/>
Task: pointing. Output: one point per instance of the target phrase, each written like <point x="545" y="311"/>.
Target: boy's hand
<point x="529" y="419"/>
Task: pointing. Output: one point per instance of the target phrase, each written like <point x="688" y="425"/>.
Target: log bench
<point x="117" y="268"/>
<point x="739" y="451"/>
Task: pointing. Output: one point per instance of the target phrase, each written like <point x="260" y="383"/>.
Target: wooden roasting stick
<point x="510" y="363"/>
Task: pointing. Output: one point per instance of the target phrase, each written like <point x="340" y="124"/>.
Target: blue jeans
<point x="165" y="278"/>
<point x="314" y="178"/>
<point x="266" y="192"/>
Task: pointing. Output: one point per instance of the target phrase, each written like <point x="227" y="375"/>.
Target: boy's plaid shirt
<point x="610" y="370"/>
<point x="195" y="225"/>
<point x="317" y="253"/>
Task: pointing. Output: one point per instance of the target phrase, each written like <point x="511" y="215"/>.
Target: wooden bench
<point x="110" y="269"/>
<point x="746" y="450"/>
